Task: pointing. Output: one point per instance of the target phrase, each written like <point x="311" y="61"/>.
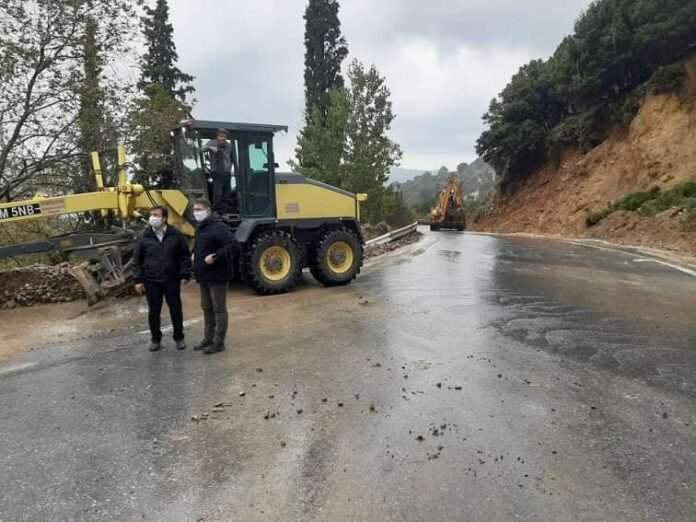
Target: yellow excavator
<point x="448" y="212"/>
<point x="284" y="222"/>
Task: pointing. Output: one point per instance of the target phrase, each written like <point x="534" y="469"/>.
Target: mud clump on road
<point x="378" y="250"/>
<point x="38" y="284"/>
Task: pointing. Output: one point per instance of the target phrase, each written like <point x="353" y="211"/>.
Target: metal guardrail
<point x="393" y="235"/>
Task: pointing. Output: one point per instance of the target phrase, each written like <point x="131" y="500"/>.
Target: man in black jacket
<point x="161" y="264"/>
<point x="212" y="260"/>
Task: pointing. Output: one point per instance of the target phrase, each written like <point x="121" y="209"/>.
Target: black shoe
<point x="215" y="348"/>
<point x="202" y="345"/>
<point x="155" y="346"/>
<point x="180" y="345"/>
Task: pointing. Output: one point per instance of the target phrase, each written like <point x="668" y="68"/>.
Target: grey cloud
<point x="248" y="60"/>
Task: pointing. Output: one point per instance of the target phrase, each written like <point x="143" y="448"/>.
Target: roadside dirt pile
<point x="371" y="231"/>
<point x="658" y="150"/>
<point x="38" y="284"/>
<point x="378" y="250"/>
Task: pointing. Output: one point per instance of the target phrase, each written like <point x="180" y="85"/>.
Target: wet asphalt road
<point x="466" y="378"/>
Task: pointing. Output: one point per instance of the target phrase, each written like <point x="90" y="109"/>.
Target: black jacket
<point x="162" y="261"/>
<point x="213" y="237"/>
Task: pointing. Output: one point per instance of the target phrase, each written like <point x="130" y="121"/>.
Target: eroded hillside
<point x="657" y="150"/>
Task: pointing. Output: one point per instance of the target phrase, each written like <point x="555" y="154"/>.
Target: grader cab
<point x="284" y="222"/>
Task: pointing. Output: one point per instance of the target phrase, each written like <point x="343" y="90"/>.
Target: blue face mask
<point x="156" y="222"/>
<point x="200" y="215"/>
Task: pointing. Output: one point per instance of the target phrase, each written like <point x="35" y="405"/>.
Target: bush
<point x="666" y="79"/>
<point x="650" y="203"/>
<point x="681" y="196"/>
<point x="625" y="110"/>
<point x="634" y="201"/>
<point x="595" y="217"/>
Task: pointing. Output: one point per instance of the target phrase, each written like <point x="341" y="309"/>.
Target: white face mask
<point x="200" y="215"/>
<point x="156" y="222"/>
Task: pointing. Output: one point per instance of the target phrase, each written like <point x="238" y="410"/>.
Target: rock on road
<point x="465" y="377"/>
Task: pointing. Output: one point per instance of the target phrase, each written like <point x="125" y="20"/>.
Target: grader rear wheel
<point x="271" y="263"/>
<point x="336" y="257"/>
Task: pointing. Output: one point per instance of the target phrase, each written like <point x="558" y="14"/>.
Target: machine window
<point x="258" y="180"/>
<point x="258" y="157"/>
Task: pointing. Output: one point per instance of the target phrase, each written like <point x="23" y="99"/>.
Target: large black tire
<point x="434" y="228"/>
<point x="271" y="264"/>
<point x="335" y="257"/>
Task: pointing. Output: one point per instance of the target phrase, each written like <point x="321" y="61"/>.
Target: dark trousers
<point x="214" y="305"/>
<point x="156" y="294"/>
<point x="221" y="192"/>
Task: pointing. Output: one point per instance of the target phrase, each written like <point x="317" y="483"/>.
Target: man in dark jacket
<point x="214" y="247"/>
<point x="161" y="264"/>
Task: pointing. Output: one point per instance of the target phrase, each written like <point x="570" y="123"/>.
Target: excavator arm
<point x="448" y="211"/>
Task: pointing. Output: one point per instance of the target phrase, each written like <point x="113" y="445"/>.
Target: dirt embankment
<point x="658" y="150"/>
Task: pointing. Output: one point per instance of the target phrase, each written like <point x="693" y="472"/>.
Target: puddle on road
<point x="451" y="255"/>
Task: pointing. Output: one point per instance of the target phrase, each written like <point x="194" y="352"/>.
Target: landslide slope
<point x="657" y="150"/>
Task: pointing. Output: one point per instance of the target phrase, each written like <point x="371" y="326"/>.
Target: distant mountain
<point x="478" y="180"/>
<point x="399" y="175"/>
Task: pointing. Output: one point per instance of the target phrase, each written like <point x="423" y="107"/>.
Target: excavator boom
<point x="448" y="211"/>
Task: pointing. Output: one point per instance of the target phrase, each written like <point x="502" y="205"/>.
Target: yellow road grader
<point x="283" y="222"/>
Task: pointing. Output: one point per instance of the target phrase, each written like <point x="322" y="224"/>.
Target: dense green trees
<point x="162" y="102"/>
<point x="345" y="140"/>
<point x="369" y="153"/>
<point x="53" y="93"/>
<point x="595" y="79"/>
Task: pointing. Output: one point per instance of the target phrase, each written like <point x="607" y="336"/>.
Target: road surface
<point x="467" y="377"/>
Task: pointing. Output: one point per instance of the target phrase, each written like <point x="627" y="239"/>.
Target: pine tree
<point x="159" y="63"/>
<point x="163" y="102"/>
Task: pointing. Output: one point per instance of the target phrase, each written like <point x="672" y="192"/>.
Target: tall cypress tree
<point x="91" y="113"/>
<point x="163" y="103"/>
<point x="325" y="50"/>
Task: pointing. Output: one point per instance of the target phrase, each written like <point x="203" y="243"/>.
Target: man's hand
<point x="140" y="288"/>
<point x="210" y="259"/>
<point x="212" y="149"/>
<point x="184" y="282"/>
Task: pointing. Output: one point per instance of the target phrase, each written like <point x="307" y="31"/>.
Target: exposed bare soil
<point x="657" y="150"/>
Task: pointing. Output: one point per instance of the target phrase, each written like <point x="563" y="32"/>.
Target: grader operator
<point x="283" y="222"/>
<point x="448" y="212"/>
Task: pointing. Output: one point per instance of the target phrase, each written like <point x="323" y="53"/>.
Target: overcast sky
<point x="444" y="60"/>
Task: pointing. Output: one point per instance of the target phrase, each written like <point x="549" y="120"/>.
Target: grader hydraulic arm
<point x="105" y="258"/>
